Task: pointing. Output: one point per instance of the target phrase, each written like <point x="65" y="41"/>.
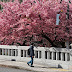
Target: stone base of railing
<point x="48" y="63"/>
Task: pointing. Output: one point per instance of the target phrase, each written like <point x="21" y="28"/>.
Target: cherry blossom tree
<point x="35" y="20"/>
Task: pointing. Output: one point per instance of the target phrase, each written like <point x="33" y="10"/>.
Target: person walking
<point x="31" y="54"/>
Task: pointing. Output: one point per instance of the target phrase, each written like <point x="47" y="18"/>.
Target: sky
<point x="66" y="0"/>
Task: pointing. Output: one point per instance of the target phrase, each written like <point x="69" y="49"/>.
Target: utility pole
<point x="67" y="18"/>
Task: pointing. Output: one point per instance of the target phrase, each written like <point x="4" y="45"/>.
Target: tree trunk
<point x="53" y="45"/>
<point x="67" y="44"/>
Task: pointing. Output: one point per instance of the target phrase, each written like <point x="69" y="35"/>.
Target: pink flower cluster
<point x="31" y="17"/>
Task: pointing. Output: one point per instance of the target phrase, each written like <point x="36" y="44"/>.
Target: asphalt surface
<point x="6" y="69"/>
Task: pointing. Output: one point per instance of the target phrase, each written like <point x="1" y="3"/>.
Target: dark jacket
<point x="31" y="50"/>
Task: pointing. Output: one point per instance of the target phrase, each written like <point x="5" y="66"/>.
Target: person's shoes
<point x="31" y="66"/>
<point x="27" y="63"/>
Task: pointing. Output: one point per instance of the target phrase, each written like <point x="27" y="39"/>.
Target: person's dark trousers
<point x="31" y="61"/>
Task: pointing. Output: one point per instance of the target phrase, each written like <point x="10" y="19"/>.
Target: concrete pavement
<point x="37" y="67"/>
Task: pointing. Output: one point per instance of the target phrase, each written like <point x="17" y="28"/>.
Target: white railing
<point x="53" y="57"/>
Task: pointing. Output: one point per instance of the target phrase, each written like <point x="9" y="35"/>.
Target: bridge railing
<point x="43" y="55"/>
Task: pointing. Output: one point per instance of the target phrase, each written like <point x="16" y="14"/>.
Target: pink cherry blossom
<point x="35" y="21"/>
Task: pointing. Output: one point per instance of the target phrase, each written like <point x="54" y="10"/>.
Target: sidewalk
<point x="37" y="67"/>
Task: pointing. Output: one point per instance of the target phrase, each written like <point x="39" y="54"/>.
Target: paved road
<point x="6" y="69"/>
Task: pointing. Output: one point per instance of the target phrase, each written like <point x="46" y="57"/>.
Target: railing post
<point x="65" y="56"/>
<point x="48" y="55"/>
<point x="19" y="52"/>
<point x="35" y="54"/>
<point x="23" y="53"/>
<point x="26" y="54"/>
<point x="38" y="54"/>
<point x="11" y="52"/>
<point x="52" y="56"/>
<point x="61" y="56"/>
<point x="43" y="54"/>
<point x="57" y="56"/>
<point x="5" y="51"/>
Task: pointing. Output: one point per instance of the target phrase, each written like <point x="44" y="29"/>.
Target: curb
<point x="15" y="67"/>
